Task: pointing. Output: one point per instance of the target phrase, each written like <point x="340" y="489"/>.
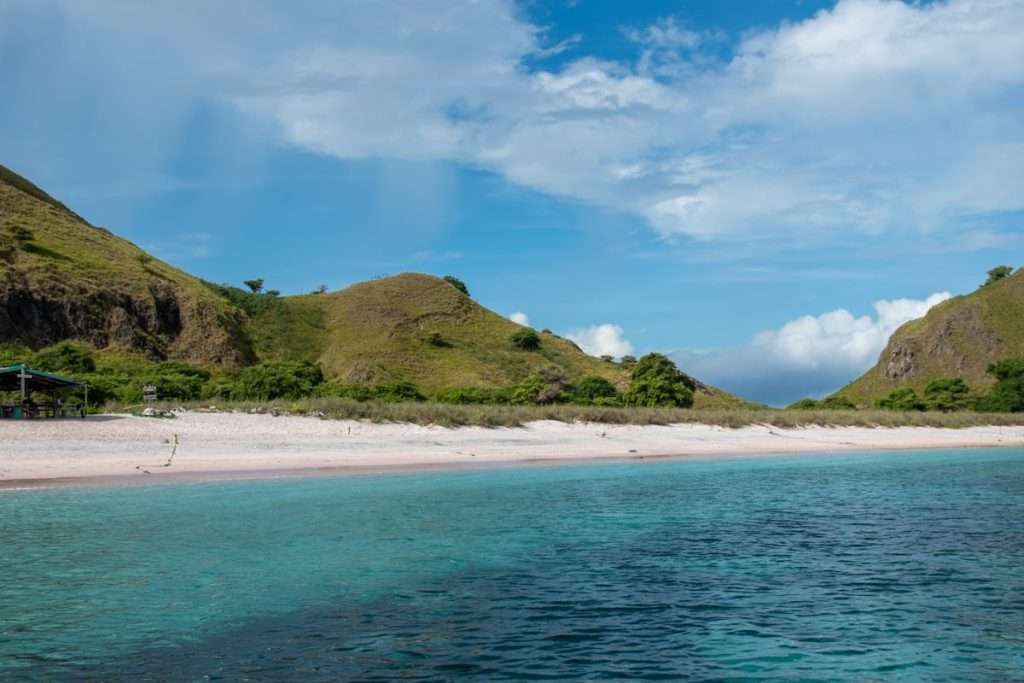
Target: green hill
<point x="957" y="338"/>
<point x="61" y="278"/>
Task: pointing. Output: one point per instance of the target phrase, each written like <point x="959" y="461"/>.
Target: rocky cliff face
<point x="61" y="278"/>
<point x="958" y="338"/>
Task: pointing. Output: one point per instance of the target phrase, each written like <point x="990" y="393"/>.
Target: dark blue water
<point x="904" y="566"/>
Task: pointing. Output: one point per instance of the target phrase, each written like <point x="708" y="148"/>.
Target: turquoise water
<point x="905" y="566"/>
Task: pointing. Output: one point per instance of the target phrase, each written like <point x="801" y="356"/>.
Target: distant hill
<point x="957" y="338"/>
<point x="61" y="278"/>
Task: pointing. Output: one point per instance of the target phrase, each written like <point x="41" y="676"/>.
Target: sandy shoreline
<point x="122" y="449"/>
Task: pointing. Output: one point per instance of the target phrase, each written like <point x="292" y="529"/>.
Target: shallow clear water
<point x="905" y="566"/>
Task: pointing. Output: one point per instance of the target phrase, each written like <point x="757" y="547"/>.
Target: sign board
<point x="149" y="393"/>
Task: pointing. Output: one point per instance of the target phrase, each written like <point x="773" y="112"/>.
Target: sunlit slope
<point x="61" y="278"/>
<point x="958" y="338"/>
<point x="421" y="329"/>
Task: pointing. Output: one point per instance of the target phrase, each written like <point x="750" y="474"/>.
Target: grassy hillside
<point x="418" y="328"/>
<point x="958" y="338"/>
<point x="61" y="278"/>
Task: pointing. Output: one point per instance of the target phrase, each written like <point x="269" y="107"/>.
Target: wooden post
<point x="22" y="376"/>
<point x="85" y="408"/>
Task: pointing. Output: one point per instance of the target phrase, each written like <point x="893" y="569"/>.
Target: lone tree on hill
<point x="457" y="284"/>
<point x="256" y="285"/>
<point x="998" y="273"/>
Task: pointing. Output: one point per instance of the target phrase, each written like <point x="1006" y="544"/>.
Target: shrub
<point x="268" y="381"/>
<point x="527" y="392"/>
<point x="905" y="399"/>
<point x="457" y="284"/>
<point x="554" y="382"/>
<point x="173" y="382"/>
<point x="804" y="404"/>
<point x="628" y="361"/>
<point x="526" y="339"/>
<point x="67" y="357"/>
<point x="658" y="382"/>
<point x="998" y="273"/>
<point x="1007" y="396"/>
<point x="435" y="339"/>
<point x="591" y="390"/>
<point x="946" y="394"/>
<point x="837" y="403"/>
<point x="12" y="354"/>
<point x="20" y="233"/>
<point x="397" y="392"/>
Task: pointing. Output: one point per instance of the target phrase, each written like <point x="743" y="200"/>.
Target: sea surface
<point x="857" y="567"/>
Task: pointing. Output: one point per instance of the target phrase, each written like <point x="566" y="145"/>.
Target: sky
<point x="763" y="189"/>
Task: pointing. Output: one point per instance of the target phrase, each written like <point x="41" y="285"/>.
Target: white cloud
<point x="520" y="318"/>
<point x="875" y="116"/>
<point x="811" y="355"/>
<point x="602" y="340"/>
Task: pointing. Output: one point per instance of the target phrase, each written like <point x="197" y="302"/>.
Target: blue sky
<point x="764" y="189"/>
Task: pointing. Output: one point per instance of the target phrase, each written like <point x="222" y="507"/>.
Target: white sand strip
<point x="221" y="444"/>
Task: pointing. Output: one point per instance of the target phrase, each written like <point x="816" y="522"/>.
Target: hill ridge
<point x="959" y="337"/>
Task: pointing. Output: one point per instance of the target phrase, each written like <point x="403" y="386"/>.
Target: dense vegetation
<point x="118" y="377"/>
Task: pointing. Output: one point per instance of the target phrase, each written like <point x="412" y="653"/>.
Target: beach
<point x="126" y="449"/>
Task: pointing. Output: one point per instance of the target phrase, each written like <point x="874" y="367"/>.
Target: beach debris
<point x="632" y="450"/>
<point x="156" y="412"/>
<point x="170" y="459"/>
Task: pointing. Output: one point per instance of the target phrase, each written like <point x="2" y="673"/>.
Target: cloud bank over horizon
<point x="808" y="129"/>
<point x="809" y="356"/>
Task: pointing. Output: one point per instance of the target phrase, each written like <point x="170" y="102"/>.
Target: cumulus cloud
<point x="520" y="318"/>
<point x="808" y="356"/>
<point x="874" y="116"/>
<point x="602" y="340"/>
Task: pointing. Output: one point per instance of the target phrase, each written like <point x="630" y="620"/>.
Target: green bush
<point x="594" y="391"/>
<point x="804" y="404"/>
<point x="1007" y="396"/>
<point x="397" y="392"/>
<point x="998" y="273"/>
<point x="837" y="403"/>
<point x="173" y="382"/>
<point x="268" y="381"/>
<point x="457" y="284"/>
<point x="946" y="394"/>
<point x="13" y="354"/>
<point x="526" y="340"/>
<point x="527" y="392"/>
<point x="435" y="339"/>
<point x="65" y="357"/>
<point x="905" y="399"/>
<point x="656" y="381"/>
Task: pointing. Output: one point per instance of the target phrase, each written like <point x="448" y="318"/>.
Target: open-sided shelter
<point x="28" y="384"/>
